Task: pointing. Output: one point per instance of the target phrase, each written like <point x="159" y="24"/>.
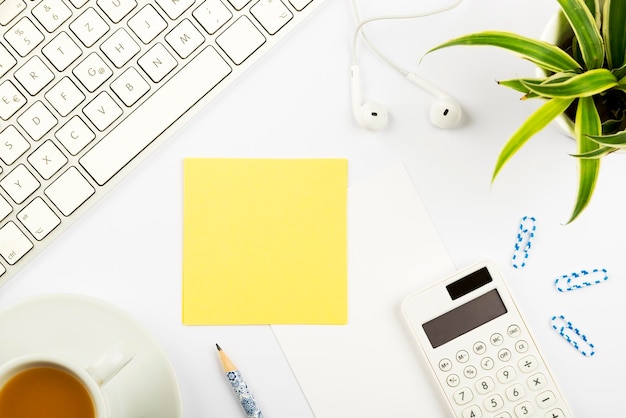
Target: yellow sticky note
<point x="265" y="241"/>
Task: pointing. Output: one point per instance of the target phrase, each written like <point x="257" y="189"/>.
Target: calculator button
<point x="537" y="381"/>
<point x="470" y="372"/>
<point x="513" y="331"/>
<point x="503" y="415"/>
<point x="462" y="356"/>
<point x="555" y="413"/>
<point x="487" y="363"/>
<point x="521" y="346"/>
<point x="480" y="348"/>
<point x="453" y="380"/>
<point x="506" y="374"/>
<point x="525" y="409"/>
<point x="485" y="385"/>
<point x="463" y="396"/>
<point x="496" y="339"/>
<point x="493" y="403"/>
<point x="473" y="411"/>
<point x="528" y="364"/>
<point x="515" y="392"/>
<point x="445" y="365"/>
<point x="504" y="355"/>
<point x="546" y="399"/>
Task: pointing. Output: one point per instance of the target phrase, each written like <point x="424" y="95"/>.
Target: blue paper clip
<point x="523" y="243"/>
<point x="581" y="279"/>
<point x="573" y="335"/>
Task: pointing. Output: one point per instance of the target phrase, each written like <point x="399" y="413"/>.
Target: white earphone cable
<point x="360" y="30"/>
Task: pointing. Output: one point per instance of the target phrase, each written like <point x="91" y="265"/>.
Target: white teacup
<point x="46" y="382"/>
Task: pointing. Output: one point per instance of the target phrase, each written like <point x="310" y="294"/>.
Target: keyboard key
<point x="493" y="403"/>
<point x="525" y="409"/>
<point x="12" y="145"/>
<point x="120" y="48"/>
<point x="184" y="39"/>
<point x="62" y="51"/>
<point x="10" y="9"/>
<point x="13" y="243"/>
<point x="463" y="396"/>
<point x="130" y="86"/>
<point x="11" y="100"/>
<point x="212" y="15"/>
<point x="69" y="191"/>
<point x="271" y="14"/>
<point x="24" y="36"/>
<point x="5" y="208"/>
<point x="119" y="147"/>
<point x="546" y="399"/>
<point x="52" y="14"/>
<point x="75" y="135"/>
<point x="147" y="24"/>
<point x="7" y="61"/>
<point x="38" y="218"/>
<point x="174" y="8"/>
<point x="102" y="111"/>
<point x="240" y="40"/>
<point x="92" y="72"/>
<point x="19" y="184"/>
<point x="47" y="159"/>
<point x="37" y="121"/>
<point x="117" y="10"/>
<point x="65" y="96"/>
<point x="472" y="411"/>
<point x="34" y="75"/>
<point x="89" y="27"/>
<point x="537" y="381"/>
<point x="157" y="62"/>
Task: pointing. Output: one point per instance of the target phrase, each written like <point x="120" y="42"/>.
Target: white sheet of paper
<point x="372" y="367"/>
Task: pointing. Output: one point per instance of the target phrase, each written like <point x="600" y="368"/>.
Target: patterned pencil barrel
<point x="243" y="394"/>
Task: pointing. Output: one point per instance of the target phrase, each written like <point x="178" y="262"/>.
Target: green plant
<point x="585" y="79"/>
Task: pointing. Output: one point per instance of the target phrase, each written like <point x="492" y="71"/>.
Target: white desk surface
<point x="295" y="103"/>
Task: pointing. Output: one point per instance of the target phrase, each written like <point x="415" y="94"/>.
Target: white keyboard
<point x="89" y="87"/>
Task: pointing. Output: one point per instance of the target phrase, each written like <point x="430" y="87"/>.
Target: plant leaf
<point x="614" y="32"/>
<point x="586" y="31"/>
<point x="581" y="85"/>
<point x="620" y="73"/>
<point x="536" y="122"/>
<point x="617" y="140"/>
<point x="518" y="83"/>
<point x="598" y="153"/>
<point x="587" y="124"/>
<point x="543" y="54"/>
<point x="594" y="8"/>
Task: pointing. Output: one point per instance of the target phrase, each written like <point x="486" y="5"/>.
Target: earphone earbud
<point x="370" y="115"/>
<point x="445" y="113"/>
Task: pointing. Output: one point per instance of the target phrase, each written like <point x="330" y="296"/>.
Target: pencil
<point x="239" y="386"/>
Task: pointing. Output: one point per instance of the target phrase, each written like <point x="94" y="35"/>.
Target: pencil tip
<point x="218" y="347"/>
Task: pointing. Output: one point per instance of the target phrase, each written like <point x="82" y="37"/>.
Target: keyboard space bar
<point x="155" y="115"/>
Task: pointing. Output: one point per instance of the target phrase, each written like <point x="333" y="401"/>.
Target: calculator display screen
<point x="464" y="318"/>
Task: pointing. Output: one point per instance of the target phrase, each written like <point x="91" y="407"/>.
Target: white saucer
<point x="82" y="329"/>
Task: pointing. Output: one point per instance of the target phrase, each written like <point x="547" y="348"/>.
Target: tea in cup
<point x="43" y="386"/>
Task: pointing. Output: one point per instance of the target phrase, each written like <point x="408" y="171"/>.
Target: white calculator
<point x="480" y="349"/>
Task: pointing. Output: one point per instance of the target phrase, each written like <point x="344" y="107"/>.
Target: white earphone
<point x="370" y="115"/>
<point x="445" y="112"/>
